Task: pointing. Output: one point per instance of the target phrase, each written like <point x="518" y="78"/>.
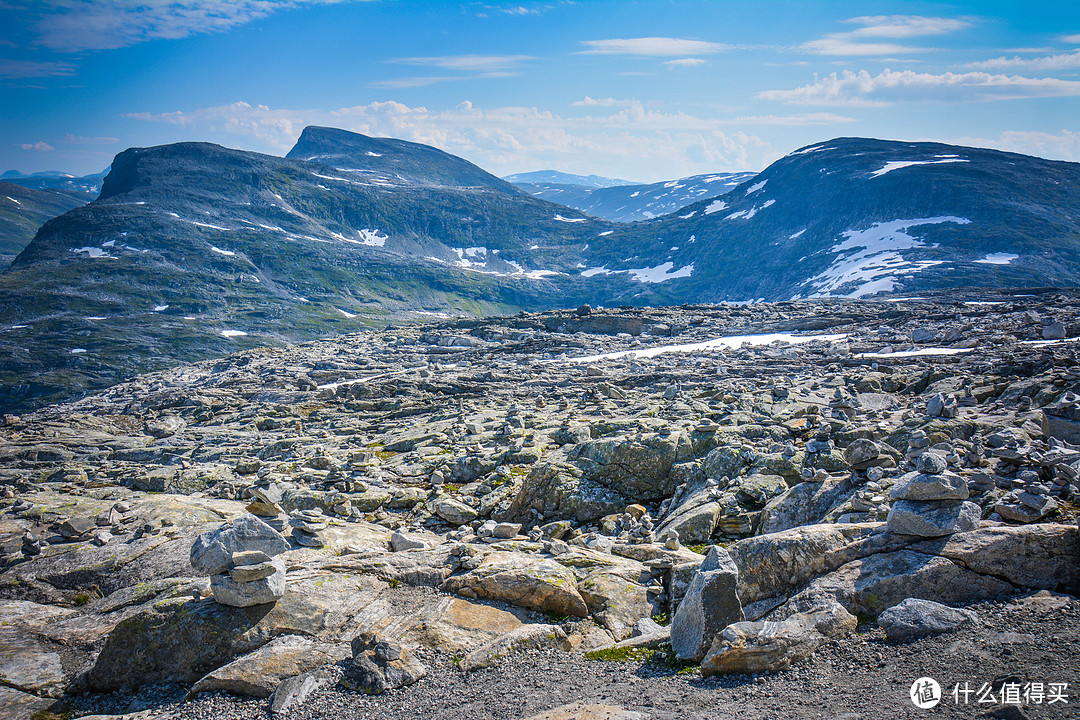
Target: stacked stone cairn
<point x="307" y="527"/>
<point x="266" y="505"/>
<point x="931" y="502"/>
<point x="243" y="562"/>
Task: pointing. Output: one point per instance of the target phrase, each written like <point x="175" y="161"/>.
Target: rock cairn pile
<point x="266" y="505"/>
<point x="931" y="502"/>
<point x="242" y="560"/>
<point x="307" y="527"/>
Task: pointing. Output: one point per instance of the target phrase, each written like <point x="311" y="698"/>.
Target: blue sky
<point x="643" y="90"/>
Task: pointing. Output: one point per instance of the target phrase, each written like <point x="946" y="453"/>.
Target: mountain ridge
<point x="194" y="250"/>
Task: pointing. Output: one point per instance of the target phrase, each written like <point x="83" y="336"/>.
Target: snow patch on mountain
<point x="1000" y="258"/>
<point x="897" y="164"/>
<point x="715" y="206"/>
<point x="756" y="186"/>
<point x="878" y="262"/>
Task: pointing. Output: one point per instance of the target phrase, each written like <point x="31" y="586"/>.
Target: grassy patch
<point x="621" y="654"/>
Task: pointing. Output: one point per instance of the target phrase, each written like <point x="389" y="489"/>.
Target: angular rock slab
<point x="537" y="584"/>
<point x="1043" y="555"/>
<point x="873" y="584"/>
<point x="915" y="618"/>
<point x="181" y="640"/>
<point x="526" y="637"/>
<point x="933" y="518"/>
<point x="615" y="601"/>
<point x="920" y="486"/>
<point x="710" y="604"/>
<point x="260" y="673"/>
<point x="212" y="552"/>
<point x="770" y="646"/>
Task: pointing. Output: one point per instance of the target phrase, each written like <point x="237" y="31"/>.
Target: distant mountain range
<point x="23" y="210"/>
<point x="631" y="202"/>
<point x="554" y="177"/>
<point x="88" y="185"/>
<point x="194" y="250"/>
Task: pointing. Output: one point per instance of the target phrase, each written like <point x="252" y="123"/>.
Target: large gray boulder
<point x="711" y="603"/>
<point x="933" y="518"/>
<point x="212" y="552"/>
<point x="770" y="646"/>
<point x="915" y="618"/>
<point x="922" y="486"/>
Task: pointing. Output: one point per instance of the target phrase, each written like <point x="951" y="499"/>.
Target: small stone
<point x="248" y="573"/>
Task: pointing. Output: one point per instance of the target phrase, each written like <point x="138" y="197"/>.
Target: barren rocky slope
<point x="492" y="498"/>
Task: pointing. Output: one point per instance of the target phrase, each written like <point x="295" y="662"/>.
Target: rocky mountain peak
<point x="400" y="159"/>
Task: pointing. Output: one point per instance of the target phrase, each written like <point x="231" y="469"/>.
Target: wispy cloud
<point x="76" y="25"/>
<point x="1064" y="145"/>
<point x="888" y="87"/>
<point x="20" y="69"/>
<point x="905" y="26"/>
<point x="425" y="80"/>
<point x="803" y="119"/>
<point x="467" y="63"/>
<point x="1070" y="38"/>
<point x="878" y="27"/>
<point x="1064" y="61"/>
<point x="510" y="139"/>
<point x="601" y="102"/>
<point x="84" y="140"/>
<point x="40" y="146"/>
<point x="684" y="62"/>
<point x="652" y="47"/>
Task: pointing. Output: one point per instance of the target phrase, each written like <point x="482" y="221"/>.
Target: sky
<point x="640" y="91"/>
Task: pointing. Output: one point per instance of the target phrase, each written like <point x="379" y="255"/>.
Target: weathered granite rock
<point x="770" y="646"/>
<point x="806" y="503"/>
<point x="615" y="601"/>
<point x="212" y="552"/>
<point x="259" y="674"/>
<point x="526" y="637"/>
<point x="380" y="664"/>
<point x="455" y="512"/>
<point x="873" y="584"/>
<point x="933" y="518"/>
<point x="922" y="486"/>
<point x="914" y="618"/>
<point x="710" y="604"/>
<point x="530" y="582"/>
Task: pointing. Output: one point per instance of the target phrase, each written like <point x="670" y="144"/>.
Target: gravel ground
<point x="864" y="677"/>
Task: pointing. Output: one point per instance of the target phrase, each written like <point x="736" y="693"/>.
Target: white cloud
<point x="684" y="62"/>
<point x="1070" y="39"/>
<point x="39" y="146"/>
<point x="34" y="69"/>
<point x="905" y="26"/>
<point x="645" y="143"/>
<point x="1065" y="61"/>
<point x="888" y="87"/>
<point x="1064" y="145"/>
<point x="891" y="27"/>
<point x="652" y="47"/>
<point x="467" y="63"/>
<point x="802" y="119"/>
<point x="601" y="102"/>
<point x="416" y="81"/>
<point x="76" y="25"/>
<point x="842" y="44"/>
<point x="83" y="140"/>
